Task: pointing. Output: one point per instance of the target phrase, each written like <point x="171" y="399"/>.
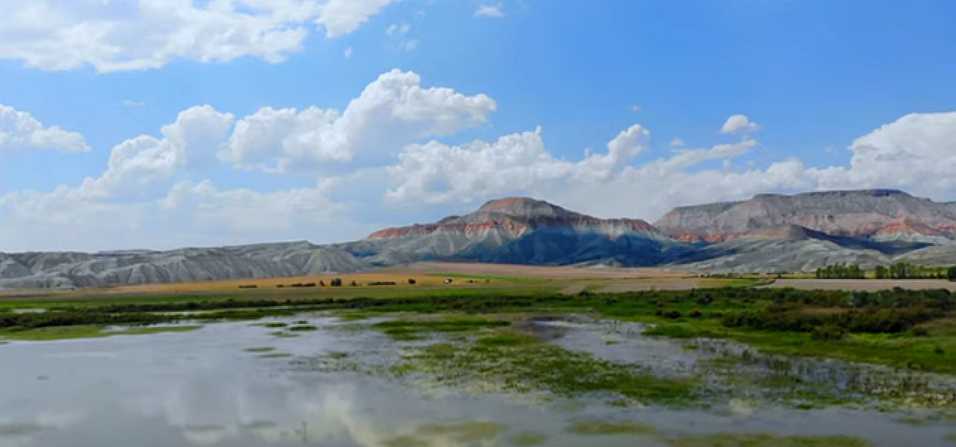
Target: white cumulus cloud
<point x="21" y="131"/>
<point x="392" y="111"/>
<point x="917" y="152"/>
<point x="739" y="124"/>
<point x="341" y="17"/>
<point x="517" y="163"/>
<point x="139" y="163"/>
<point x="490" y="11"/>
<point x="148" y="34"/>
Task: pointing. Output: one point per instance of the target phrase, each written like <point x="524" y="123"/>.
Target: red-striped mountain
<point x="526" y="231"/>
<point x="770" y="232"/>
<point x="878" y="214"/>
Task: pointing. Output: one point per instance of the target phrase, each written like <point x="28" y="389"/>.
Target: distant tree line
<point x="841" y="271"/>
<point x="899" y="270"/>
<point x="905" y="270"/>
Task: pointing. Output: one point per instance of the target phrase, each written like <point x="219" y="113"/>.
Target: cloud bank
<point x="383" y="155"/>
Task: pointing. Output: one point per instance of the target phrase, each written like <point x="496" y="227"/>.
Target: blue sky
<point x="815" y="80"/>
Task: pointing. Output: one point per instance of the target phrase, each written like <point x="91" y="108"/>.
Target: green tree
<point x="881" y="272"/>
<point x="951" y="273"/>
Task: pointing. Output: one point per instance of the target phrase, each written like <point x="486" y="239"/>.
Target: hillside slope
<point x="768" y="233"/>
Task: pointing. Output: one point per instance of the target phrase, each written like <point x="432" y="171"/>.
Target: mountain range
<point x="768" y="233"/>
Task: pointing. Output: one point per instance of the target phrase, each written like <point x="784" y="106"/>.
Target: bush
<point x="828" y="332"/>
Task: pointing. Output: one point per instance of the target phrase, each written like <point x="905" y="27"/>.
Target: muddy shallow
<point x="237" y="384"/>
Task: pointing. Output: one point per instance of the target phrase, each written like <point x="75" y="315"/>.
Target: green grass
<point x="523" y="364"/>
<point x="897" y="350"/>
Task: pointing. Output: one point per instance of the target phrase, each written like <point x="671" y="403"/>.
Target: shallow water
<point x="734" y="367"/>
<point x="208" y="388"/>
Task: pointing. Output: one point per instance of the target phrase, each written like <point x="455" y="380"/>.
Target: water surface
<point x="239" y="385"/>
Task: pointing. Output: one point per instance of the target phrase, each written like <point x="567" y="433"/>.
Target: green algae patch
<point x="506" y="339"/>
<point x="405" y="330"/>
<point x="528" y="439"/>
<point x="466" y="433"/>
<point x="282" y="334"/>
<point x="260" y="349"/>
<point x="147" y="330"/>
<point x="356" y="315"/>
<point x="258" y="425"/>
<point x="303" y="328"/>
<point x="506" y="361"/>
<point x="87" y="331"/>
<point x="606" y="428"/>
<point x="274" y="355"/>
<point x="679" y="330"/>
<point x="951" y="438"/>
<point x="25" y="429"/>
<point x="55" y="333"/>
<point x="271" y="324"/>
<point x="332" y="361"/>
<point x="765" y="440"/>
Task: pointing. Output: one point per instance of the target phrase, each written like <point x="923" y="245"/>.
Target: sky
<point x="168" y="123"/>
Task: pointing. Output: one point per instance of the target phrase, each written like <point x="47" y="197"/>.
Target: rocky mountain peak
<point x="524" y="207"/>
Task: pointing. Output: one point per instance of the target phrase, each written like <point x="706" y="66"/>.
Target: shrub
<point x="828" y="332"/>
<point x="672" y="314"/>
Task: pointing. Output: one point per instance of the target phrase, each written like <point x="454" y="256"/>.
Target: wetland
<point x="716" y="367"/>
